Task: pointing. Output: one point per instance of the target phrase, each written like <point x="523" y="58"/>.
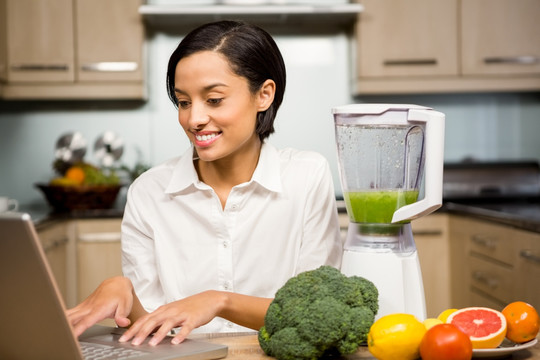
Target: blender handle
<point x="434" y="165"/>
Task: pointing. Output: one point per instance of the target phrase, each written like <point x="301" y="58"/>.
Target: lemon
<point x="444" y="315"/>
<point x="431" y="322"/>
<point x="396" y="336"/>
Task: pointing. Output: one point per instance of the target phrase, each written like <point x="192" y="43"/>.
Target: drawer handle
<point x="529" y="255"/>
<point x="481" y="277"/>
<point x="410" y="62"/>
<point x="40" y="67"/>
<point x="521" y="60"/>
<point x="117" y="66"/>
<point x="55" y="244"/>
<point x="483" y="241"/>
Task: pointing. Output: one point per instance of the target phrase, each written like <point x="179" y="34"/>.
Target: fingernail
<point x="122" y="339"/>
<point x="175" y="341"/>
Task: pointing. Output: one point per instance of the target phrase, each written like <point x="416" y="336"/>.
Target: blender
<point x="391" y="166"/>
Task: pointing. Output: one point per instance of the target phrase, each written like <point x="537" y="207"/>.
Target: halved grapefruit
<point x="486" y="327"/>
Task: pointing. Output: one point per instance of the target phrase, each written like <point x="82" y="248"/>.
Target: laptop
<point x="33" y="324"/>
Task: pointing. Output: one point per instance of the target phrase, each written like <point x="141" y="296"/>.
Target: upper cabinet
<point x="40" y="41"/>
<point x="500" y="37"/>
<point x="438" y="46"/>
<point x="71" y="49"/>
<point x="404" y="38"/>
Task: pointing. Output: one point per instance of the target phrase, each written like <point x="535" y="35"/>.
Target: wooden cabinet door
<point x="40" y="45"/>
<point x="431" y="238"/>
<point x="407" y="38"/>
<point x="500" y="37"/>
<point x="110" y="38"/>
<point x="54" y="240"/>
<point x="528" y="269"/>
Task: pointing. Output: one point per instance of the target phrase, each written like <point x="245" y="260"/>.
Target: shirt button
<point x="229" y="324"/>
<point x="226" y="286"/>
<point x="225" y="244"/>
<point x="234" y="206"/>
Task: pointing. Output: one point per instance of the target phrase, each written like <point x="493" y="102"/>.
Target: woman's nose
<point x="198" y="116"/>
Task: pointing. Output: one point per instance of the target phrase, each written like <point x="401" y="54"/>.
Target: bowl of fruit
<point x="81" y="186"/>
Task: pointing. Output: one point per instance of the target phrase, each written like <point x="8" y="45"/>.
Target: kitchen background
<point x="481" y="126"/>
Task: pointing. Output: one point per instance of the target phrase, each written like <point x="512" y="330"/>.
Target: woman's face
<point x="215" y="107"/>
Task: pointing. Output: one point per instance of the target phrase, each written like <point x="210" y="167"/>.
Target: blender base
<point x="398" y="278"/>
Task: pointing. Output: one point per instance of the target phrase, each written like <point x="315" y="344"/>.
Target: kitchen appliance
<point x="383" y="152"/>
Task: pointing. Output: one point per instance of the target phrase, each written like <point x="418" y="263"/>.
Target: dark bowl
<point x="82" y="197"/>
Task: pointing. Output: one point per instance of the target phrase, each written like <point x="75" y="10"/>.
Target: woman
<point x="209" y="237"/>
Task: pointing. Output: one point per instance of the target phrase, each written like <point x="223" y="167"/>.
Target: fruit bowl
<point x="79" y="197"/>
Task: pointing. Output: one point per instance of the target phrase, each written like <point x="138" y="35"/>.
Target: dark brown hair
<point x="251" y="52"/>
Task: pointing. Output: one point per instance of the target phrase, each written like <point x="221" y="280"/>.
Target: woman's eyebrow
<point x="206" y="88"/>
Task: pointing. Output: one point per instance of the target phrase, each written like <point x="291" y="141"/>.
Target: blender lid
<point x="375" y="109"/>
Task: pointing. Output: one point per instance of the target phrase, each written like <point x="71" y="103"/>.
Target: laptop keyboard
<point x="93" y="351"/>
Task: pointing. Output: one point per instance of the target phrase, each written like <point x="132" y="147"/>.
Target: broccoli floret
<point x="318" y="313"/>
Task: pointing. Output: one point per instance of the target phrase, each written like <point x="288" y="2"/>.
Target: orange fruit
<point x="76" y="174"/>
<point x="486" y="327"/>
<point x="522" y="322"/>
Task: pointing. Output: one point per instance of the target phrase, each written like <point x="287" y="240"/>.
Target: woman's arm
<point x="195" y="311"/>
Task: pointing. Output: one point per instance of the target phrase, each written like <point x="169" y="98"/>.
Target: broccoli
<point x="319" y="313"/>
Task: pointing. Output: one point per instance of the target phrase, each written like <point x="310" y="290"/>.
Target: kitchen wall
<point x="481" y="126"/>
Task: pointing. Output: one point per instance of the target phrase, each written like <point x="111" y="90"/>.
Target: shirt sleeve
<point x="321" y="242"/>
<point x="138" y="253"/>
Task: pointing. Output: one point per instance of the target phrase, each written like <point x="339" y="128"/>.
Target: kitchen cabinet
<point x="98" y="253"/>
<point x="442" y="46"/>
<point x="40" y="41"/>
<point x="404" y="38"/>
<point x="500" y="37"/>
<point x="493" y="264"/>
<point x="82" y="253"/>
<point x="72" y="49"/>
<point x="431" y="235"/>
<point x="55" y="242"/>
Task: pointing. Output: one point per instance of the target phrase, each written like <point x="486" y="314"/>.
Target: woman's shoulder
<point x="160" y="173"/>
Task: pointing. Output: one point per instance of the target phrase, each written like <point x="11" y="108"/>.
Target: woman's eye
<point x="214" y="101"/>
<point x="183" y="104"/>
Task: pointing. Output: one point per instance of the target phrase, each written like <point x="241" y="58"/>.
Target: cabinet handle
<point x="55" y="244"/>
<point x="410" y="62"/>
<point x="529" y="255"/>
<point x="485" y="242"/>
<point x="523" y="60"/>
<point x="117" y="66"/>
<point x="40" y="67"/>
<point x="480" y="277"/>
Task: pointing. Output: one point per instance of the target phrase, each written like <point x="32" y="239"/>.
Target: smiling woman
<point x="210" y="236"/>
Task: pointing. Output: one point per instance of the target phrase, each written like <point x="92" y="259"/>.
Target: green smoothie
<point x="378" y="206"/>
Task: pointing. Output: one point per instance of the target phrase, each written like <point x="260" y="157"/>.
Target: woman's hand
<point x="189" y="313"/>
<point x="112" y="299"/>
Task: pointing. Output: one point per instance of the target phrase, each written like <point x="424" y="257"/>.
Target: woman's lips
<point x="205" y="139"/>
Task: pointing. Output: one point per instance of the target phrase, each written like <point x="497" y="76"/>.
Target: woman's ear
<point x="266" y="94"/>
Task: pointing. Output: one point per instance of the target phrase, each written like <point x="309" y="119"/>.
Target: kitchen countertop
<point x="521" y="215"/>
<point x="246" y="346"/>
<point x="42" y="214"/>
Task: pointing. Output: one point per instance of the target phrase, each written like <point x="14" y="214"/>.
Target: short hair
<point x="251" y="53"/>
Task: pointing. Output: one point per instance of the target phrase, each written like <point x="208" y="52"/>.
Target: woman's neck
<point x="223" y="174"/>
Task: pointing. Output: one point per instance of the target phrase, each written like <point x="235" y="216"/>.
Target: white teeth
<point x="205" y="137"/>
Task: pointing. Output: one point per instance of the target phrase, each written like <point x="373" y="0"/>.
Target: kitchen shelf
<point x="314" y="16"/>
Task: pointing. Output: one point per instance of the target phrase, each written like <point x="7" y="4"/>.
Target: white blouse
<point x="177" y="240"/>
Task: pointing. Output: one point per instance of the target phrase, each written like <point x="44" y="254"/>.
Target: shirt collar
<point x="267" y="173"/>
